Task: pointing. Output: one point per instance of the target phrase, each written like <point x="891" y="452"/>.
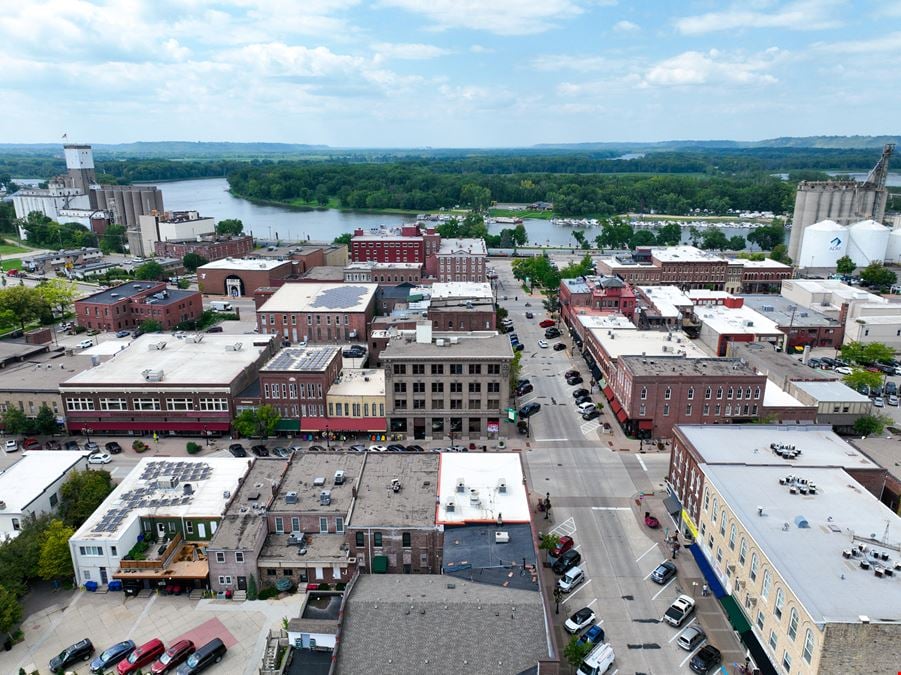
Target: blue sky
<point x="447" y="73"/>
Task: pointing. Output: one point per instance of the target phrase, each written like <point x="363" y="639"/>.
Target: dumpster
<point x="90" y="586"/>
<point x="115" y="585"/>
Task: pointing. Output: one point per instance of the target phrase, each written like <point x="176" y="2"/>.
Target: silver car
<point x="691" y="637"/>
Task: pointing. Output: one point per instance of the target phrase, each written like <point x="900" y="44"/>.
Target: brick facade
<point x="210" y="249"/>
<point x="222" y="279"/>
<point x="126" y="306"/>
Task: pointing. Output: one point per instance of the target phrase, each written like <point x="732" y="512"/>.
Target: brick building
<point x="452" y="385"/>
<point x="126" y="306"/>
<point x="166" y="385"/>
<point x="209" y="247"/>
<point x="462" y="260"/>
<point x="318" y="312"/>
<point x="731" y="322"/>
<point x="383" y="273"/>
<point x="295" y="382"/>
<point x="243" y="276"/>
<point x="756" y="276"/>
<point x="595" y="295"/>
<point x="409" y="244"/>
<point x="356" y="403"/>
<point x="801" y="325"/>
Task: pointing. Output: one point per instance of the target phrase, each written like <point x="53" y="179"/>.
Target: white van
<point x="587" y="407"/>
<point x="85" y="344"/>
<point x="573" y="577"/>
<point x="598" y="661"/>
<point x="220" y="306"/>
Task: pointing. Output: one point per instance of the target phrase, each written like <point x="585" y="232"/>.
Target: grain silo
<point x="893" y="250"/>
<point x="867" y="242"/>
<point x="823" y="244"/>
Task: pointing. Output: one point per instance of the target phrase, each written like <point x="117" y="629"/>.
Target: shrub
<point x="139" y="446"/>
<point x="193" y="448"/>
<point x="268" y="592"/>
<point x="340" y="586"/>
<point x="324" y="587"/>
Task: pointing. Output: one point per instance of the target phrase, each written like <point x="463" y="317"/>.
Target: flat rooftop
<point x="359" y="382"/>
<point x="648" y="342"/>
<point x="667" y="365"/>
<point x="148" y="490"/>
<point x="309" y="359"/>
<point x="669" y="254"/>
<point x="736" y="320"/>
<point x="243" y="264"/>
<point x="832" y="392"/>
<point x="320" y="548"/>
<point x="13" y="350"/>
<point x="604" y="321"/>
<point x="837" y="291"/>
<point x="334" y="273"/>
<point x="786" y="313"/>
<point x="482" y="487"/>
<point x="118" y="293"/>
<point x="702" y="295"/>
<point x="750" y="444"/>
<point x="42" y="372"/>
<point x="32" y="474"/>
<point x="409" y="624"/>
<point x="413" y="505"/>
<point x="458" y="289"/>
<point x="776" y="365"/>
<point x="214" y="360"/>
<point x="809" y="558"/>
<point x="766" y="263"/>
<point x="310" y="473"/>
<point x="314" y="297"/>
<point x="379" y="265"/>
<point x="471" y="345"/>
<point x="776" y="397"/>
<point x="242" y="523"/>
<point x="454" y="245"/>
<point x="669" y="300"/>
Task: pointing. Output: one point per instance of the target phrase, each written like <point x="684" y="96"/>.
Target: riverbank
<point x="332" y="205"/>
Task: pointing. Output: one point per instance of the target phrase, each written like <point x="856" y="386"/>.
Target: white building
<point x="31" y="486"/>
<point x="51" y="201"/>
<point x="721" y="324"/>
<point x="166" y="227"/>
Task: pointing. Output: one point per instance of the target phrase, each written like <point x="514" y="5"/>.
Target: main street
<point x="594" y="479"/>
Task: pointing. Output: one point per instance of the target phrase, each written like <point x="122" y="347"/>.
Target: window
<point x="113" y="551"/>
<point x="189" y="527"/>
<point x="731" y="393"/>
<point x="779" y="603"/>
<point x="787" y="662"/>
<point x="773" y="640"/>
<point x="359" y="539"/>
<point x="279" y="525"/>
<point x="113" y="404"/>
<point x="666" y="409"/>
<point x="16" y="525"/>
<point x="54" y="499"/>
<point x="707" y="393"/>
<point x="667" y="394"/>
<point x="706" y="499"/>
<point x="475" y="369"/>
<point x="793" y="623"/>
<point x="339" y="524"/>
<point x="437" y="369"/>
<point x="732" y="537"/>
<point x="179" y="404"/>
<point x="295" y="524"/>
<point x="760" y="619"/>
<point x="719" y="392"/>
<point x="723" y="523"/>
<point x="644" y="393"/>
<point x="225" y="581"/>
<point x="767" y="582"/>
<point x="400" y="387"/>
<point x="494" y="369"/>
<point x="323" y="525"/>
<point x="494" y="387"/>
<point x="419" y="387"/>
<point x="419" y="369"/>
<point x="808" y="645"/>
<point x="400" y="369"/>
<point x="437" y="387"/>
<point x="688" y="409"/>
<point x="220" y="556"/>
<point x="456" y="369"/>
<point x="691" y="393"/>
<point x="215" y="404"/>
<point x="755" y="563"/>
<point x="406" y="540"/>
<point x="376" y="538"/>
<point x="146" y="404"/>
<point x="79" y="404"/>
<point x="475" y="404"/>
<point x="239" y="556"/>
<point x="419" y="404"/>
<point x="475" y="387"/>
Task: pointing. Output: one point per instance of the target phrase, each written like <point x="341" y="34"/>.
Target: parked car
<point x="566" y="561"/>
<point x="72" y="445"/>
<point x="514" y="337"/>
<point x="663" y="572"/>
<point x="31" y="444"/>
<point x="122" y="333"/>
<point x="11" y="445"/>
<point x="563" y="545"/>
<point x="590" y="415"/>
<point x="86" y="343"/>
<point x="576" y="379"/>
<point x="214" y="329"/>
<point x="552" y="333"/>
<point x="559" y="347"/>
<point x="142" y="656"/>
<point x="585" y="398"/>
<point x="518" y="346"/>
<point x="175" y="655"/>
<point x="543" y="344"/>
<point x="260" y="450"/>
<point x="706" y="658"/>
<point x="80" y="651"/>
<point x="691" y="637"/>
<point x="317" y="448"/>
<point x="281" y="452"/>
<point x="524" y="389"/>
<point x="354" y="352"/>
<point x="547" y="323"/>
<point x="584" y="617"/>
<point x="415" y="448"/>
<point x="843" y="370"/>
<point x="523" y="380"/>
<point x="587" y="406"/>
<point x="99" y="458"/>
<point x="529" y="315"/>
<point x="237" y="450"/>
<point x="205" y="656"/>
<point x="357" y="448"/>
<point x="378" y="448"/>
<point x="892" y="399"/>
<point x="111" y="656"/>
<point x="396" y="447"/>
<point x="529" y="409"/>
<point x="594" y="635"/>
<point x="681" y="609"/>
<point x="91" y="446"/>
<point x="572" y="578"/>
<point x="580" y="392"/>
<point x="878" y="401"/>
<point x="113" y="448"/>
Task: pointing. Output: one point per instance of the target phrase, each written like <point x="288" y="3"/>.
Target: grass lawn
<point x="12" y="264"/>
<point x="10" y="249"/>
<point x="521" y="213"/>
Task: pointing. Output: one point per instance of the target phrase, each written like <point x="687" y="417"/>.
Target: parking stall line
<point x="684" y="629"/>
<point x="653" y="546"/>
<point x="685" y="660"/>
<point x="657" y="594"/>
<point x="652" y="571"/>
<point x="572" y="595"/>
<point x="641" y="461"/>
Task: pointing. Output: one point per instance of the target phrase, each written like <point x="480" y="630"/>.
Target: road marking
<point x="571" y="595"/>
<point x="683" y="630"/>
<point x="548" y="440"/>
<point x="653" y="546"/>
<point x="652" y="571"/>
<point x="591" y="603"/>
<point x="689" y="656"/>
<point x="641" y="461"/>
<point x="568" y="527"/>
<point x="657" y="594"/>
<point x="611" y="508"/>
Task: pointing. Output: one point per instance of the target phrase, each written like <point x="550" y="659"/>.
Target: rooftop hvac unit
<point x="291" y="498"/>
<point x="474" y="499"/>
<point x="195" y="338"/>
<point x="449" y="505"/>
<point x="454" y="340"/>
<point x="395" y="485"/>
<point x="318" y="481"/>
<point x="339" y="477"/>
<point x="325" y="498"/>
<point x="236" y="347"/>
<point x="461" y="485"/>
<point x="156" y="346"/>
<point x="151" y="375"/>
<point x="296" y="537"/>
<point x="2" y="506"/>
<point x="166" y="482"/>
<point x="439" y="342"/>
<point x="502" y="485"/>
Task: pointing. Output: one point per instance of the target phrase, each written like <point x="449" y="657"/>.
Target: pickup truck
<point x="680" y="610"/>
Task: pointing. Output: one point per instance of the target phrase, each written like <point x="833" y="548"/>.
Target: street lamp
<point x="328" y="442"/>
<point x="87" y="432"/>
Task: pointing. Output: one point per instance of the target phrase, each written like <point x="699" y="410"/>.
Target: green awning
<point x="287" y="425"/>
<point x="379" y="564"/>
<point x="736" y="616"/>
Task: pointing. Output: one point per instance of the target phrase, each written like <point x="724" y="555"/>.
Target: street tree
<point x="150" y="271"/>
<point x="669" y="235"/>
<point x="714" y="238"/>
<point x="113" y="239"/>
<point x="343" y="239"/>
<point x="15" y="421"/>
<point x="58" y="293"/>
<point x="859" y="377"/>
<point x="151" y="326"/>
<point x="259" y="422"/>
<point x="866" y="353"/>
<point x="231" y="226"/>
<point x="845" y="265"/>
<point x="616" y="233"/>
<point x="877" y="275"/>
<point x="26" y="304"/>
<point x="82" y="494"/>
<point x="55" y="561"/>
<point x="192" y="261"/>
<point x="643" y="237"/>
<point x="871" y="425"/>
<point x="45" y="420"/>
<point x="10" y="610"/>
<point x="575" y="651"/>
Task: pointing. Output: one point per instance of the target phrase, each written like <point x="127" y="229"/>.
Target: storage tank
<point x="893" y="251"/>
<point x="822" y="245"/>
<point x="867" y="242"/>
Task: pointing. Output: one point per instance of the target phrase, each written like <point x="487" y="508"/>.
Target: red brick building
<point x="296" y="382"/>
<point x="124" y="307"/>
<point x="318" y="312"/>
<point x="462" y="260"/>
<point x="238" y="277"/>
<point x="595" y="295"/>
<point x="384" y="274"/>
<point x="409" y="245"/>
<point x="210" y="248"/>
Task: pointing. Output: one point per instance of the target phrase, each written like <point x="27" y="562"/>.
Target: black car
<point x="551" y="333"/>
<point x="580" y="392"/>
<point x="569" y="559"/>
<point x="590" y="415"/>
<point x="396" y="447"/>
<point x="577" y="379"/>
<point x="514" y="337"/>
<point x="529" y="315"/>
<point x="518" y="347"/>
<point x="415" y="448"/>
<point x="260" y="450"/>
<point x="354" y="352"/>
<point x="113" y="448"/>
<point x="529" y="409"/>
<point x="80" y="651"/>
<point x="706" y="658"/>
<point x="317" y="448"/>
<point x="520" y="382"/>
<point x="237" y="450"/>
<point x="72" y="445"/>
<point x="110" y="656"/>
<point x="663" y="572"/>
<point x="585" y="398"/>
<point x="524" y="389"/>
<point x="570" y="373"/>
<point x="559" y="347"/>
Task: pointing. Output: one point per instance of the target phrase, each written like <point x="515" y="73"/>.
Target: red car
<point x="562" y="547"/>
<point x="31" y="444"/>
<point x="175" y="655"/>
<point x="547" y="323"/>
<point x="144" y="655"/>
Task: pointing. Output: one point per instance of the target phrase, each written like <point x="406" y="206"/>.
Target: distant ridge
<point x="831" y="142"/>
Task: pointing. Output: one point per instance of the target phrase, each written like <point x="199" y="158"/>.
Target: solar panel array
<point x="150" y="496"/>
<point x="306" y="358"/>
<point x="342" y="297"/>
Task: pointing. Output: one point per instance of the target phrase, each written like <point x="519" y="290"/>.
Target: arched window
<point x="706" y="499"/>
<point x="808" y="646"/>
<point x="793" y="623"/>
<point x="644" y="393"/>
<point x="732" y="537"/>
<point x="767" y="582"/>
<point x="691" y="393"/>
<point x="742" y="551"/>
<point x="707" y="392"/>
<point x="667" y="394"/>
<point x="723" y="523"/>
<point x="755" y="563"/>
<point x="780" y="602"/>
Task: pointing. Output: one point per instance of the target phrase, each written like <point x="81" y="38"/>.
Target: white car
<point x="542" y="344"/>
<point x="100" y="458"/>
<point x="587" y="407"/>
<point x="878" y="402"/>
<point x="11" y="445"/>
<point x="584" y="617"/>
<point x="844" y="370"/>
<point x="86" y="344"/>
<point x="378" y="448"/>
<point x="892" y="399"/>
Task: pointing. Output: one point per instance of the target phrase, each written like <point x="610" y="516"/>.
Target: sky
<point x="447" y="73"/>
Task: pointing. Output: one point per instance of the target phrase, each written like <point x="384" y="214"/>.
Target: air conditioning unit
<point x="461" y="485"/>
<point x="339" y="477"/>
<point x="291" y="498"/>
<point x="449" y="505"/>
<point x="325" y="498"/>
<point x="502" y="485"/>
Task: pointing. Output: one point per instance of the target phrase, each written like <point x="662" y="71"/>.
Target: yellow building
<point x="356" y="401"/>
<point x="812" y="560"/>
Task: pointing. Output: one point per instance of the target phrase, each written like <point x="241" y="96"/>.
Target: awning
<point x="379" y="564"/>
<point x="149" y="426"/>
<point x="707" y="571"/>
<point x="672" y="505"/>
<point x="622" y="416"/>
<point x="736" y="617"/>
<point x="339" y="424"/>
<point x="761" y="660"/>
<point x="608" y="392"/>
<point x="615" y="406"/>
<point x="645" y="425"/>
<point x="287" y="424"/>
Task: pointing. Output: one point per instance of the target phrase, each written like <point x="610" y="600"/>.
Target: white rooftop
<point x="32" y="473"/>
<point x="459" y="289"/>
<point x="376" y="264"/>
<point x="697" y="295"/>
<point x="750" y="444"/>
<point x="831" y="391"/>
<point x="605" y="321"/>
<point x="765" y="263"/>
<point x="243" y="264"/>
<point x="452" y="246"/>
<point x="213" y="480"/>
<point x="740" y="320"/>
<point x="684" y="254"/>
<point x="839" y="291"/>
<point x="667" y="299"/>
<point x="483" y="473"/>
<point x="337" y="298"/>
<point x="775" y="397"/>
<point x="831" y="588"/>
<point x="309" y="359"/>
<point x="647" y="343"/>
<point x="211" y="361"/>
<point x="359" y="382"/>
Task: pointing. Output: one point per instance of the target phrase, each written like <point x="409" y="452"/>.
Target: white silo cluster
<point x="865" y="242"/>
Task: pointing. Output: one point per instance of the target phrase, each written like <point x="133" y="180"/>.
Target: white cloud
<point x="713" y="67"/>
<point x="626" y="27"/>
<point x="481" y="49"/>
<point x="410" y="51"/>
<point x="584" y="64"/>
<point x="884" y="43"/>
<point x="502" y="17"/>
<point x="799" y="15"/>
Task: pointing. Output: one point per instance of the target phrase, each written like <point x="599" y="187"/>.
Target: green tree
<point x="867" y="353"/>
<point x="151" y="326"/>
<point x="192" y="261"/>
<point x="616" y="233"/>
<point x="871" y="425"/>
<point x="45" y="420"/>
<point x="10" y="610"/>
<point x="55" y="561"/>
<point x="515" y="369"/>
<point x="475" y="196"/>
<point x="25" y="303"/>
<point x="669" y="235"/>
<point x="858" y="377"/>
<point x="343" y="239"/>
<point x="736" y="243"/>
<point x="231" y="226"/>
<point x="779" y="253"/>
<point x="575" y="651"/>
<point x="714" y="238"/>
<point x="82" y="493"/>
<point x="579" y="236"/>
<point x="15" y="421"/>
<point x="768" y="237"/>
<point x="538" y="270"/>
<point x="877" y="275"/>
<point x="113" y="239"/>
<point x="58" y="293"/>
<point x="549" y="542"/>
<point x="150" y="271"/>
<point x="845" y="265"/>
<point x="259" y="422"/>
<point x="252" y="587"/>
<point x="643" y="238"/>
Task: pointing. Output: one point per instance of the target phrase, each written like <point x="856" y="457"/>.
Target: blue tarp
<point x="715" y="586"/>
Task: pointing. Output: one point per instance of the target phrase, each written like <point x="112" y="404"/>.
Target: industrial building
<point x="865" y="242"/>
<point x="844" y="202"/>
<point x="156" y="227"/>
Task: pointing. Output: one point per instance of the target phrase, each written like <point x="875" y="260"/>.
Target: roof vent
<point x="325" y="498"/>
<point x="502" y="486"/>
<point x="291" y="498"/>
<point x="188" y="489"/>
<point x="339" y="477"/>
<point x="236" y="347"/>
<point x="395" y="485"/>
<point x="151" y="375"/>
<point x="461" y="485"/>
<point x="450" y="505"/>
<point x="474" y="499"/>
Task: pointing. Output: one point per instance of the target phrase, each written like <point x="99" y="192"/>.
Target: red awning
<point x="339" y="424"/>
<point x="104" y="425"/>
<point x="622" y="416"/>
<point x="646" y="425"/>
<point x="608" y="392"/>
<point x="615" y="406"/>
